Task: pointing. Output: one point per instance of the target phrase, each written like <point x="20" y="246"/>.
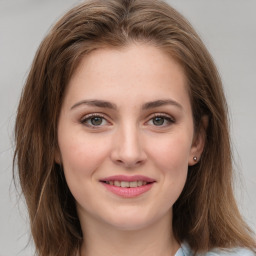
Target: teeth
<point x="127" y="184"/>
<point x="117" y="183"/>
<point x="133" y="184"/>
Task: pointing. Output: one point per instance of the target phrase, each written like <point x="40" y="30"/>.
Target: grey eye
<point x="94" y="121"/>
<point x="158" y="120"/>
<point x="97" y="120"/>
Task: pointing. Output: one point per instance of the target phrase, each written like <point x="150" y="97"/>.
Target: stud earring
<point x="195" y="158"/>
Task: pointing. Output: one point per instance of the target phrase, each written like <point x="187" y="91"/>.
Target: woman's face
<point x="126" y="136"/>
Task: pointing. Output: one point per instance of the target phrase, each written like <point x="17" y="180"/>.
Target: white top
<point x="186" y="251"/>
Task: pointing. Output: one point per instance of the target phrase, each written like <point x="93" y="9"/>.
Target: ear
<point x="198" y="142"/>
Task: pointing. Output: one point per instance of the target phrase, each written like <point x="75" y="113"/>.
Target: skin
<point x="127" y="140"/>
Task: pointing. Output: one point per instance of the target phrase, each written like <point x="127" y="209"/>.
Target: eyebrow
<point x="107" y="104"/>
<point x="95" y="103"/>
<point x="160" y="103"/>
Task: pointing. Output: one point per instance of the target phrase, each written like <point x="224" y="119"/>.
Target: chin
<point x="133" y="221"/>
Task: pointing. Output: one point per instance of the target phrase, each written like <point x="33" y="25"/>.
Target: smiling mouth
<point x="127" y="184"/>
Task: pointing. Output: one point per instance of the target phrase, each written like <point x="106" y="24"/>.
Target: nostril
<point x="129" y="164"/>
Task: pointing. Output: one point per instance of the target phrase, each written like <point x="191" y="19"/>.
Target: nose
<point x="127" y="148"/>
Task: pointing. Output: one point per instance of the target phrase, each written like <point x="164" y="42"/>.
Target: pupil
<point x="96" y="120"/>
<point x="158" y="121"/>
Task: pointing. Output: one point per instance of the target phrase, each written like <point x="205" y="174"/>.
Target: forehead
<point x="136" y="69"/>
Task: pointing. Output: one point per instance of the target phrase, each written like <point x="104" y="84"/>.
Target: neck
<point x="101" y="239"/>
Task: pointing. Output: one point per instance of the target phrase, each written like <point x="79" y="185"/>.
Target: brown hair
<point x="206" y="214"/>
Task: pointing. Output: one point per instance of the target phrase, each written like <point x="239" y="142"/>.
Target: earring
<point x="195" y="158"/>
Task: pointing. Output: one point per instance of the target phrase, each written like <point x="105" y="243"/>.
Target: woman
<point x="122" y="138"/>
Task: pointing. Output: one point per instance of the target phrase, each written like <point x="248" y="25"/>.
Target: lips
<point x="128" y="186"/>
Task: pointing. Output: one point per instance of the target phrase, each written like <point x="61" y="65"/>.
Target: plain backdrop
<point x="228" y="28"/>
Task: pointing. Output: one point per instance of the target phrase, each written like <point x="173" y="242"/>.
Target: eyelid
<point x="167" y="117"/>
<point x="91" y="115"/>
<point x="162" y="115"/>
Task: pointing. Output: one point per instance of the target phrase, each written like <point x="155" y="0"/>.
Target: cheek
<point x="170" y="156"/>
<point x="171" y="153"/>
<point x="81" y="154"/>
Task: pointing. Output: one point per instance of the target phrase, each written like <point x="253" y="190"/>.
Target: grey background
<point x="228" y="28"/>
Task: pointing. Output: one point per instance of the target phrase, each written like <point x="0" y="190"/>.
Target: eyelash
<point x="89" y="117"/>
<point x="166" y="118"/>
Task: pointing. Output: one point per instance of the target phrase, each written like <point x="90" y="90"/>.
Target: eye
<point x="94" y="120"/>
<point x="161" y="120"/>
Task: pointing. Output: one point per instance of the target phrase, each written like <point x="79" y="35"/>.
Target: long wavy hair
<point x="206" y="214"/>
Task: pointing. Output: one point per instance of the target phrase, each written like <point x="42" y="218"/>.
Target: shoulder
<point x="231" y="252"/>
<point x="219" y="252"/>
